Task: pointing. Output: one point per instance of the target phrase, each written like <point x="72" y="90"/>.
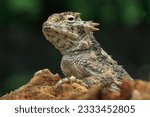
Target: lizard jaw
<point x="62" y="40"/>
<point x="48" y="29"/>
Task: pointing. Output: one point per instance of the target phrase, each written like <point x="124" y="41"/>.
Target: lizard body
<point x="83" y="56"/>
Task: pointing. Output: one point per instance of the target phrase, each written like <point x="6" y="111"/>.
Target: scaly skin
<point x="83" y="56"/>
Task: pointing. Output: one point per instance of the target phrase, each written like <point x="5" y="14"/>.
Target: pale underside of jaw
<point x="47" y="29"/>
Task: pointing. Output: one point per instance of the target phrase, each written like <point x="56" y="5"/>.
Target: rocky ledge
<point x="42" y="87"/>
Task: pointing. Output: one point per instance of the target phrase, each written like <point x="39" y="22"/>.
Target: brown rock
<point x="42" y="87"/>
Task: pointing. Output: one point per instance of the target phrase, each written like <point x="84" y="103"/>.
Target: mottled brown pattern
<point x="83" y="56"/>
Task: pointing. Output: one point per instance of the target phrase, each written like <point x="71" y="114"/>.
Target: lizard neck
<point x="85" y="42"/>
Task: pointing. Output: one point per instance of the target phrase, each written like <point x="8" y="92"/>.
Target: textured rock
<point x="42" y="86"/>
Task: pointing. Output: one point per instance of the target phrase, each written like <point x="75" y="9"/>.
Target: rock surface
<point x="42" y="87"/>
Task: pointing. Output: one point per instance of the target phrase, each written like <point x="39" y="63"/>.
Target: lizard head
<point x="65" y="30"/>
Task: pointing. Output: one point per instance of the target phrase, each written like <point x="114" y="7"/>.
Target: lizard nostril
<point x="48" y="35"/>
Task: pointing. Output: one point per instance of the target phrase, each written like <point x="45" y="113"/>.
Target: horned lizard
<point x="83" y="58"/>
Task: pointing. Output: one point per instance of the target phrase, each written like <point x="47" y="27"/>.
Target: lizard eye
<point x="70" y="19"/>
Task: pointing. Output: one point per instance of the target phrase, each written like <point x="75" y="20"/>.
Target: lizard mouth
<point x="50" y="29"/>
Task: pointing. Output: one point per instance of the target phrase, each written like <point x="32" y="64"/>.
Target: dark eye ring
<point x="70" y="18"/>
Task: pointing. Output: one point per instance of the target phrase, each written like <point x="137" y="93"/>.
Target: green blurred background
<point x="124" y="34"/>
